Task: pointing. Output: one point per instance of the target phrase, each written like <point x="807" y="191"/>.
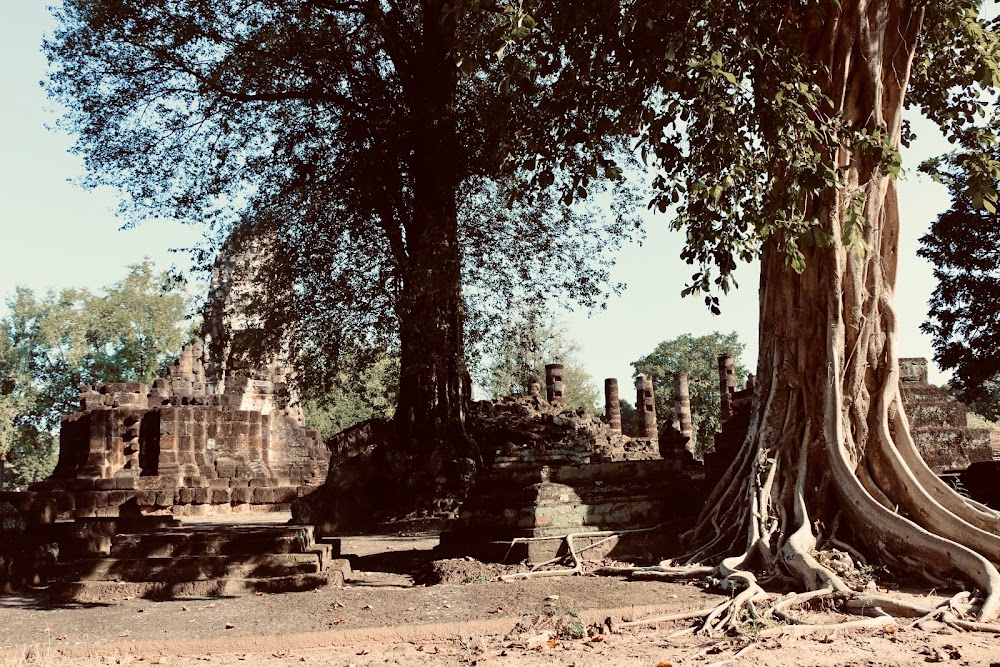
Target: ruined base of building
<point x="559" y="472"/>
<point x="155" y="496"/>
<point x="511" y="434"/>
<point x="132" y="450"/>
<point x="523" y="513"/>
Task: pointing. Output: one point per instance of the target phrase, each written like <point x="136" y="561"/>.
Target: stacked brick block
<point x="180" y="448"/>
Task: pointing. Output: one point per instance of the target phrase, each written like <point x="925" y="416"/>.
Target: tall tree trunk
<point x="429" y="418"/>
<point x="829" y="458"/>
<point x="425" y="460"/>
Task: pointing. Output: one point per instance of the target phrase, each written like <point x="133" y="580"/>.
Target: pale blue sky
<point x="56" y="234"/>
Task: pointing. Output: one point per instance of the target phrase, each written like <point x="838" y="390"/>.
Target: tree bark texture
<point x="829" y="459"/>
<point x="429" y="418"/>
<point x="424" y="460"/>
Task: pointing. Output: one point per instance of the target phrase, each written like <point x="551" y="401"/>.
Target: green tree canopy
<point x="53" y="344"/>
<point x="963" y="244"/>
<point x="351" y="398"/>
<point x="526" y="345"/>
<point x="698" y="357"/>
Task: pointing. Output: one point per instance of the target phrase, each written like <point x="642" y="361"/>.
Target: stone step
<point x="71" y="548"/>
<point x="218" y="542"/>
<point x="192" y="568"/>
<point x="109" y="591"/>
<point x="87" y="528"/>
<point x="327" y="558"/>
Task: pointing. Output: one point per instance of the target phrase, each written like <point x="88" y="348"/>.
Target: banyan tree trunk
<point x="829" y="457"/>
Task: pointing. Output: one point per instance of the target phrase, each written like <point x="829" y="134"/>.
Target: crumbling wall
<point x="938" y="424"/>
<point x="527" y="429"/>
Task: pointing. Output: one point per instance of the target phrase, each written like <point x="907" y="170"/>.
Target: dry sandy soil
<point x="383" y="618"/>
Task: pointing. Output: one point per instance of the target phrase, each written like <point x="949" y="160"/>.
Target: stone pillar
<point x="555" y="389"/>
<point x="645" y="406"/>
<point x="170" y="456"/>
<point x="612" y="407"/>
<point x="534" y="385"/>
<point x="682" y="408"/>
<point x="727" y="383"/>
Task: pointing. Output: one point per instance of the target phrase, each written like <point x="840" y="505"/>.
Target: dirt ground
<point x="383" y="618"/>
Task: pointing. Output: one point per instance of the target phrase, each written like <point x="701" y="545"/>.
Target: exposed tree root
<point x="736" y="656"/>
<point x="668" y="618"/>
<point x="574" y="552"/>
<point x="577" y="561"/>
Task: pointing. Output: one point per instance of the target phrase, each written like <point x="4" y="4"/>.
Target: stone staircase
<point x="107" y="559"/>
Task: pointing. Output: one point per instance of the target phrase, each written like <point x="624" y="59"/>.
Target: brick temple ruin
<point x="198" y="442"/>
<point x="968" y="458"/>
<point x="219" y="434"/>
<point x="189" y="445"/>
<point x="215" y="436"/>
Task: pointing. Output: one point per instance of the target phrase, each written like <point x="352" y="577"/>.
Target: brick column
<point x="172" y="455"/>
<point x="612" y="406"/>
<point x="682" y="408"/>
<point x="555" y="388"/>
<point x="645" y="405"/>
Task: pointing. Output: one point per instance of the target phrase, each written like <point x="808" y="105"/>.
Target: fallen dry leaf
<point x="552" y="643"/>
<point x="664" y="664"/>
<point x="229" y="626"/>
<point x="597" y="638"/>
